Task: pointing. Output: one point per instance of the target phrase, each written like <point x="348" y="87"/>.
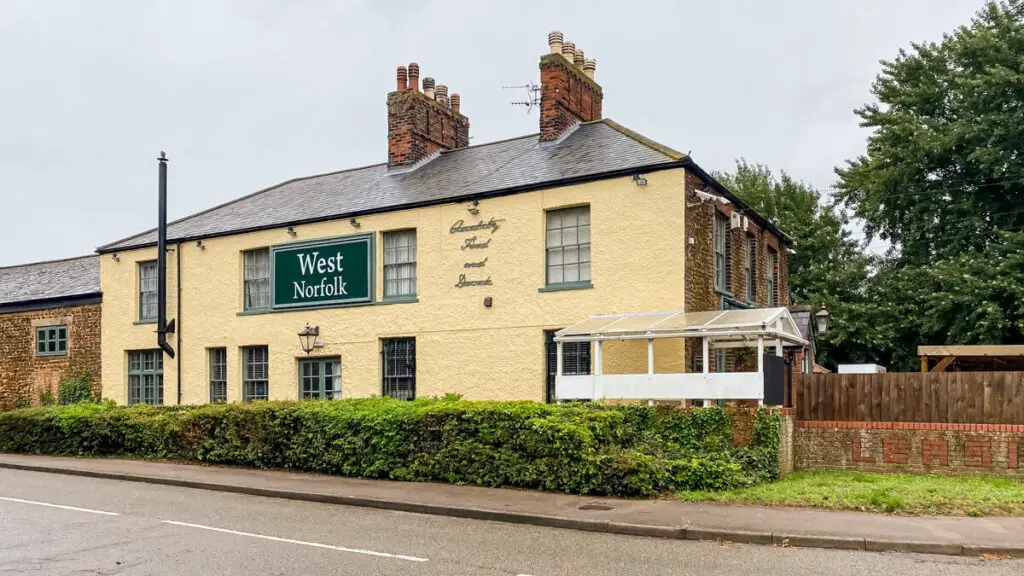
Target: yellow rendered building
<point x="445" y="270"/>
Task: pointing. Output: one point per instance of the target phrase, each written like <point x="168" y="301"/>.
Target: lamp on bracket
<point x="308" y="338"/>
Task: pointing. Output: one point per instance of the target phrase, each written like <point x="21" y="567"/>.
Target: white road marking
<point x="89" y="510"/>
<point x="301" y="542"/>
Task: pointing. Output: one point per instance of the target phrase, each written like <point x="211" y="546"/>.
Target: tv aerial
<point x="532" y="95"/>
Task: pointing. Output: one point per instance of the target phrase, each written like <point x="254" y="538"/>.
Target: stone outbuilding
<point x="49" y="327"/>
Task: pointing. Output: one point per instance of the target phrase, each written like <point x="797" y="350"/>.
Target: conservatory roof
<point x="719" y="325"/>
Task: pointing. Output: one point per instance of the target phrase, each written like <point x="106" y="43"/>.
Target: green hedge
<point x="584" y="448"/>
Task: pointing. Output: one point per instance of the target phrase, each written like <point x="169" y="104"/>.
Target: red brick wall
<point x="567" y="96"/>
<point x="418" y="126"/>
<point x="920" y="448"/>
<point x="23" y="374"/>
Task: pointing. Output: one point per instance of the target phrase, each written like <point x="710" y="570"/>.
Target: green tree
<point x="828" y="266"/>
<point x="943" y="180"/>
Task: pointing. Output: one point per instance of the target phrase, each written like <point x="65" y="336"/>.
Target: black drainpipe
<point x="177" y="333"/>
<point x="162" y="327"/>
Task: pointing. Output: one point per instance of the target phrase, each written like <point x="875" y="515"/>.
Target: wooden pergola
<point x="978" y="358"/>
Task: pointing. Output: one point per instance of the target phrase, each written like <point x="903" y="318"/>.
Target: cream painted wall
<point x="637" y="236"/>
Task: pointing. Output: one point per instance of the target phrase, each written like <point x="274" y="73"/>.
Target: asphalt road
<point x="54" y="524"/>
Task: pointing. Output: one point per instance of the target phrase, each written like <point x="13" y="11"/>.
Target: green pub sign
<point x="328" y="272"/>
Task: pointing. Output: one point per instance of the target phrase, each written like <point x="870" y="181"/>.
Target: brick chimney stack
<point x="422" y="123"/>
<point x="568" y="93"/>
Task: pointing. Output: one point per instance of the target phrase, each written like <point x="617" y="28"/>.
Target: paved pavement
<point x="59" y="524"/>
<point x="671" y="519"/>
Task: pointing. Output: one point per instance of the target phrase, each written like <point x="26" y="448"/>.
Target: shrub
<point x="580" y="448"/>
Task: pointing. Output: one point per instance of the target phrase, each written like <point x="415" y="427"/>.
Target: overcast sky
<point x="245" y="94"/>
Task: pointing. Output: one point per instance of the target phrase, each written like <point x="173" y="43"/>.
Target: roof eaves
<point x="668" y="165"/>
<point x="743" y="206"/>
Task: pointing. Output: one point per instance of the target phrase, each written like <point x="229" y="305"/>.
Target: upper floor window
<point x="256" y="279"/>
<point x="147" y="291"/>
<point x="749" y="268"/>
<point x="399" y="263"/>
<point x="568" y="246"/>
<point x="721" y="233"/>
<point x="52" y="341"/>
<point x="772" y="275"/>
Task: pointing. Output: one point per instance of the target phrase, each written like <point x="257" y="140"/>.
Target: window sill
<point x="254" y="312"/>
<point x="725" y="293"/>
<point x="51" y="354"/>
<point x="398" y="300"/>
<point x="143" y="322"/>
<point x="566" y="286"/>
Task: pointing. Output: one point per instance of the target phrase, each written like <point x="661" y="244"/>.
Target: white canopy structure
<point x="722" y="329"/>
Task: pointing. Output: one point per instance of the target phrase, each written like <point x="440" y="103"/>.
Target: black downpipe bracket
<point x="162" y="328"/>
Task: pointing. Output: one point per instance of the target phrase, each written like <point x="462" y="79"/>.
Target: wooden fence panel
<point x="950" y="397"/>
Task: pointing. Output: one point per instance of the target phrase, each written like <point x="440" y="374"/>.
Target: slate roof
<point x="590" y="150"/>
<point x="802" y="318"/>
<point x="51" y="280"/>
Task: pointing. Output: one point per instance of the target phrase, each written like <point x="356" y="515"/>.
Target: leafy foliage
<point x="585" y="449"/>
<point x="942" y="180"/>
<point x="828" y="266"/>
<point x="74" y="388"/>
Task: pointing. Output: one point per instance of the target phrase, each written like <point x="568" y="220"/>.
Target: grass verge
<point x="893" y="493"/>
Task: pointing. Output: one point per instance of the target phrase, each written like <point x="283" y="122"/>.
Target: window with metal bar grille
<point x="218" y="375"/>
<point x="399" y="368"/>
<point x="400" y="263"/>
<point x="146" y="377"/>
<point x="255" y="373"/>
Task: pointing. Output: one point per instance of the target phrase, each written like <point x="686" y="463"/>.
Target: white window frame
<point x="721" y="249"/>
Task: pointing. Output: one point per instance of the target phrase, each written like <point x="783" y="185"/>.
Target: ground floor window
<point x="146" y="377"/>
<point x="218" y="375"/>
<point x="320" y="379"/>
<point x="255" y="373"/>
<point x="575" y="361"/>
<point x="399" y="368"/>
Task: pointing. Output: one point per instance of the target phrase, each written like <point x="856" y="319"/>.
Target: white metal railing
<point x="691" y="386"/>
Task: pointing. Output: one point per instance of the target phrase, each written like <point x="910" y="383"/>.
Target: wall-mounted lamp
<point x="115" y="257"/>
<point x="823" y="317"/>
<point x="308" y="338"/>
<point x="639" y="180"/>
<point x="200" y="245"/>
<point x="354" y="222"/>
<point x="472" y="208"/>
<point x="292" y="232"/>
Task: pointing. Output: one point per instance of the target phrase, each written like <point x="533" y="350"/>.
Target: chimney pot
<point x="428" y="87"/>
<point x="569" y="51"/>
<point x="577" y="59"/>
<point x="441" y="94"/>
<point x="590" y="67"/>
<point x="555" y="41"/>
<point x="414" y="76"/>
<point x="403" y="79"/>
<point x="456" y="102"/>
